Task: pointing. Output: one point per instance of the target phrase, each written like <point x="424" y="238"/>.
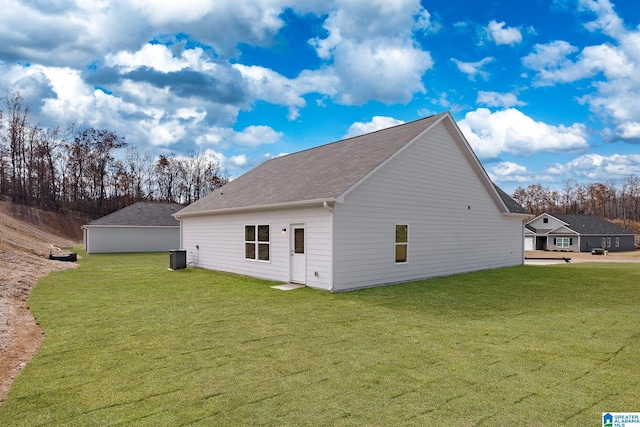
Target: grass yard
<point x="128" y="342"/>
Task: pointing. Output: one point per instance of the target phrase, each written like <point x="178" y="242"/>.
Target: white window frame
<point x="617" y="242"/>
<point x="396" y="244"/>
<point x="563" y="242"/>
<point x="257" y="243"/>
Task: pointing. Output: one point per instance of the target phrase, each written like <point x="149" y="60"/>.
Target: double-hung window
<point x="256" y="242"/>
<point x="562" y="242"/>
<point x="402" y="243"/>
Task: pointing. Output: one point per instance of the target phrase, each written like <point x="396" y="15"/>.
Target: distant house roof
<point x="327" y="172"/>
<point x="590" y="224"/>
<point x="142" y="214"/>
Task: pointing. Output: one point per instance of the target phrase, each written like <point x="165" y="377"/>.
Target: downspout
<point x="327" y="207"/>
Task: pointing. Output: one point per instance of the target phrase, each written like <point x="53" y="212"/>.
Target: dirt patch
<point x="27" y="236"/>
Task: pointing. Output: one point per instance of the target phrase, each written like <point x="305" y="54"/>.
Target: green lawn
<point x="128" y="342"/>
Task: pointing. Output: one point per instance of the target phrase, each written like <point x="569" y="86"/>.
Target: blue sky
<point x="543" y="90"/>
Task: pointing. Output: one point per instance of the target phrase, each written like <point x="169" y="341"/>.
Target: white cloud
<point x="252" y="136"/>
<point x="362" y="67"/>
<point x="155" y="56"/>
<point x="369" y="42"/>
<point x="553" y="65"/>
<point x="613" y="66"/>
<point x="629" y="131"/>
<point x="222" y="24"/>
<point x="550" y="60"/>
<point x="511" y="131"/>
<point x="74" y="99"/>
<point x="163" y="133"/>
<point x="510" y="172"/>
<point x="471" y="69"/>
<point x="238" y="161"/>
<point x="266" y="84"/>
<point x="606" y="21"/>
<point x="376" y="123"/>
<point x="501" y="35"/>
<point x="496" y="99"/>
<point x="598" y="168"/>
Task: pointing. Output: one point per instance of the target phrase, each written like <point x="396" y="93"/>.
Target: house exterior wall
<point x="114" y="239"/>
<point x="588" y="243"/>
<point x="221" y="244"/>
<point x="552" y="223"/>
<point x="551" y="243"/>
<point x="454" y="225"/>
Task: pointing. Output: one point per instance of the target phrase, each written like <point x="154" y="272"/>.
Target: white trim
<point x="292" y="226"/>
<point x="130" y="226"/>
<point x="558" y="230"/>
<point x="395" y="244"/>
<point x="257" y="243"/>
<point x="299" y="203"/>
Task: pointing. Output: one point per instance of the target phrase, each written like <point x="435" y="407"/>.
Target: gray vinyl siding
<point x="222" y="246"/>
<point x="588" y="243"/>
<point x="119" y="239"/>
<point x="454" y="225"/>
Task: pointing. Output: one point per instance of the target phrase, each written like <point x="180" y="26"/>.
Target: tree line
<point x="606" y="200"/>
<point x="93" y="171"/>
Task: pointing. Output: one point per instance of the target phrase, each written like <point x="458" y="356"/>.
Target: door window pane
<point x="298" y="240"/>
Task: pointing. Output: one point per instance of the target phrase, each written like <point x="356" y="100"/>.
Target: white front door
<point x="298" y="248"/>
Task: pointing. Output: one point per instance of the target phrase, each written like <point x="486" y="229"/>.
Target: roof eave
<point x="127" y="226"/>
<point x="298" y="203"/>
<point x="523" y="216"/>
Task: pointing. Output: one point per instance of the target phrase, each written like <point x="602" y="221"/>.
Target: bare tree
<point x="14" y="137"/>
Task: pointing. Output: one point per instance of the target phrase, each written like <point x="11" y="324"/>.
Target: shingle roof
<point x="511" y="204"/>
<point x="142" y="214"/>
<point x="590" y="224"/>
<point x="317" y="174"/>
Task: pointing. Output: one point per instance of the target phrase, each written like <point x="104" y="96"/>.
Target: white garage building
<point x="141" y="227"/>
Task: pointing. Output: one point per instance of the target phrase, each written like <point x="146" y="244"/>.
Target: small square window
<point x="256" y="245"/>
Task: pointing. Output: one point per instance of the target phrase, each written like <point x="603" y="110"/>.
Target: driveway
<point x="538" y="257"/>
